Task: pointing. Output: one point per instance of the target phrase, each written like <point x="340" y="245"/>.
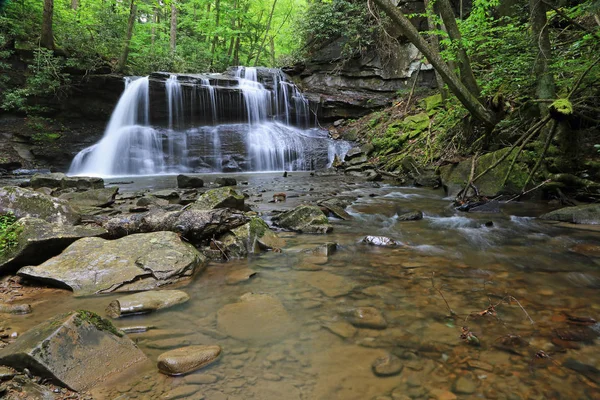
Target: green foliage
<point x="9" y="232"/>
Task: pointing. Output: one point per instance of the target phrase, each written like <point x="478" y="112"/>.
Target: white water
<point x="276" y="136"/>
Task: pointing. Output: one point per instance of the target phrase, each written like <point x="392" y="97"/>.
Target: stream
<point x="539" y="277"/>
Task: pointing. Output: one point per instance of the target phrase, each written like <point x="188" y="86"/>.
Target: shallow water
<point x="299" y="357"/>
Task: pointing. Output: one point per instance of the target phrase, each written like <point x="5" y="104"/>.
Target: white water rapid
<point x="250" y="120"/>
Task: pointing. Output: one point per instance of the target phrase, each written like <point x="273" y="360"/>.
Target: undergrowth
<point x="9" y="232"/>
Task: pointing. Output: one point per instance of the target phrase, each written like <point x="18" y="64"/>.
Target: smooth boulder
<point x="136" y="262"/>
<point x="252" y="237"/>
<point x="145" y="302"/>
<point x="223" y="197"/>
<point x="78" y="349"/>
<point x="189" y="182"/>
<point x="586" y="214"/>
<point x="28" y="203"/>
<point x="304" y="219"/>
<point x="187" y="359"/>
<point x="39" y="240"/>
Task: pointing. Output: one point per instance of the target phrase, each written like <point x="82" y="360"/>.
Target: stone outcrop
<point x="61" y="181"/>
<point x="39" y="240"/>
<point x="136" y="262"/>
<point x="586" y="214"/>
<point x="27" y="203"/>
<point x="78" y="350"/>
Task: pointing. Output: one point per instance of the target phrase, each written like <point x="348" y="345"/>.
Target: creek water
<point x="311" y="352"/>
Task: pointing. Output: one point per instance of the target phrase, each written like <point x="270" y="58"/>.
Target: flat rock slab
<point x="59" y="180"/>
<point x="133" y="263"/>
<point x="27" y="203"/>
<point x="587" y="214"/>
<point x="92" y="197"/>
<point x="224" y="197"/>
<point x="331" y="285"/>
<point x="241" y="275"/>
<point x="78" y="349"/>
<point x="145" y="302"/>
<point x="39" y="240"/>
<point x="304" y="219"/>
<point x="187" y="359"/>
<point x="259" y="318"/>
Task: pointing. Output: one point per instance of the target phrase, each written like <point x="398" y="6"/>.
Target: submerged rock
<point x="365" y="317"/>
<point x="387" y="365"/>
<point x="187" y="359"/>
<point x="39" y="240"/>
<point x="28" y="203"/>
<point x="91" y="198"/>
<point x="189" y="182"/>
<point x="194" y="225"/>
<point x="77" y="349"/>
<point x="586" y="214"/>
<point x="241" y="275"/>
<point x="380" y="241"/>
<point x="224" y="197"/>
<point x="15" y="309"/>
<point x="145" y="302"/>
<point x="304" y="219"/>
<point x="411" y="216"/>
<point x="259" y="318"/>
<point x="136" y="262"/>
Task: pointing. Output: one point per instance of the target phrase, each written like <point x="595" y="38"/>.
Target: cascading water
<point x="264" y="126"/>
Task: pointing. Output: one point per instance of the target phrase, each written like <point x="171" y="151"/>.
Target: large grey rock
<point x="223" y="197"/>
<point x="61" y="181"/>
<point x="259" y="318"/>
<point x="586" y="214"/>
<point x="145" y="302"/>
<point x="187" y="359"/>
<point x="39" y="240"/>
<point x="251" y="237"/>
<point x="305" y="219"/>
<point x="28" y="203"/>
<point x="189" y="182"/>
<point x="194" y="225"/>
<point x="136" y="262"/>
<point x="92" y="197"/>
<point x="78" y="350"/>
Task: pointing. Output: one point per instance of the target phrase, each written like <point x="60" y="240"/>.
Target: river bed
<point x="537" y="276"/>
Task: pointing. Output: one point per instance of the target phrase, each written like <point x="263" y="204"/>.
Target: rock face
<point x="304" y="219"/>
<point x="189" y="182"/>
<point x="360" y="85"/>
<point x="91" y="197"/>
<point x="194" y="225"/>
<point x="77" y="349"/>
<point x="136" y="262"/>
<point x="455" y="176"/>
<point x="587" y="214"/>
<point x="61" y="181"/>
<point x="259" y="318"/>
<point x="224" y="197"/>
<point x="187" y="359"/>
<point x="39" y="240"/>
<point x="145" y="302"/>
<point x="27" y="203"/>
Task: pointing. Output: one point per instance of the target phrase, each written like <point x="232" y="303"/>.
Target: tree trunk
<point x="153" y="29"/>
<point x="272" y="42"/>
<point x="216" y="37"/>
<point x="468" y="99"/>
<point x="541" y="40"/>
<point x="464" y="64"/>
<point x="74" y="4"/>
<point x="173" y="35"/>
<point x="262" y="45"/>
<point x="47" y="38"/>
<point x="435" y="43"/>
<point x="130" y="23"/>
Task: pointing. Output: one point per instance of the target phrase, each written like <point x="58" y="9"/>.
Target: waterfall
<point x="249" y="119"/>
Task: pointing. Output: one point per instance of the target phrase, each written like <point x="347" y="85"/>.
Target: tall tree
<point x="47" y="38"/>
<point x="173" y="32"/>
<point x="464" y="95"/>
<point x="130" y="24"/>
<point x="262" y="45"/>
<point x="216" y="37"/>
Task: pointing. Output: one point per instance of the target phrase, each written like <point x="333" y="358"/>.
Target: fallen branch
<point x="452" y="313"/>
<point x="541" y="158"/>
<point x="530" y="190"/>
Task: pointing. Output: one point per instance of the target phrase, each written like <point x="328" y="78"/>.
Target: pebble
<point x="237" y="364"/>
<point x="180" y="392"/>
<point x="272" y="377"/>
<point x="387" y="365"/>
<point x="464" y="385"/>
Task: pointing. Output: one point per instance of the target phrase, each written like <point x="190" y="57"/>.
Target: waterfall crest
<point x="248" y="120"/>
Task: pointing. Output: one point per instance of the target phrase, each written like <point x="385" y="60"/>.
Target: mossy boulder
<point x="455" y="177"/>
<point x="223" y="197"/>
<point x="61" y="181"/>
<point x="251" y="237"/>
<point x="304" y="219"/>
<point x="78" y="350"/>
<point x="432" y="103"/>
<point x="28" y="203"/>
<point x="39" y="240"/>
<point x="91" y="198"/>
<point x="133" y="263"/>
<point x="586" y="214"/>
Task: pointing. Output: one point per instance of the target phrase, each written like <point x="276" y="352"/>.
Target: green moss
<point x="432" y="103"/>
<point x="96" y="320"/>
<point x="562" y="106"/>
<point x="48" y="137"/>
